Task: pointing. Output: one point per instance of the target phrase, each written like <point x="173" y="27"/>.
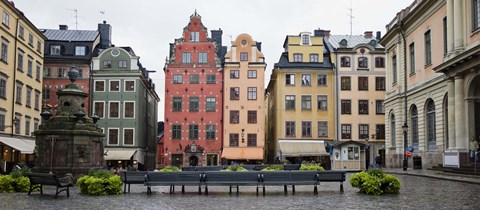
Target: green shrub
<point x="91" y="185"/>
<point x="6" y="184"/>
<point x="311" y="167"/>
<point x="273" y="168"/>
<point x="235" y="168"/>
<point x="22" y="184"/>
<point x="100" y="173"/>
<point x="20" y="172"/>
<point x="375" y="182"/>
<point x="170" y="169"/>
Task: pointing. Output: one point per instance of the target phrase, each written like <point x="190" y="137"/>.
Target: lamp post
<point x="405" y="160"/>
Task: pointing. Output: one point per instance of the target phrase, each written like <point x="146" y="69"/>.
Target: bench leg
<point x="206" y="189"/>
<point x="341" y="187"/>
<point x="315" y="190"/>
<point x="68" y="191"/>
<point x="30" y="190"/>
<point x="183" y="189"/>
<point x="257" y="190"/>
<point x="293" y="189"/>
<point x="263" y="190"/>
<point x="237" y="190"/>
<point x="285" y="189"/>
<point x="124" y="188"/>
<point x="199" y="189"/>
<point x="41" y="189"/>
<point x="128" y="188"/>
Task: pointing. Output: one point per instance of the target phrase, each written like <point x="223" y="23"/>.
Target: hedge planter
<point x="235" y="168"/>
<point x="16" y="181"/>
<point x="375" y="182"/>
<point x="100" y="182"/>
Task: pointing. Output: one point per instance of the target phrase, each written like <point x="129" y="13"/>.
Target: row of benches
<point x="233" y="179"/>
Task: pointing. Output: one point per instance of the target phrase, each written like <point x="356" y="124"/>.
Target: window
<point x="428" y="48"/>
<point x="19" y="87"/>
<point x="202" y="57"/>
<point x="36" y="122"/>
<point x="30" y="66"/>
<point x="234" y="116"/>
<point x="194" y="36"/>
<point x="107" y="64"/>
<point x="322" y="80"/>
<point x="61" y="73"/>
<point x="322" y="129"/>
<point x="177" y="79"/>
<point x="30" y="39"/>
<point x="363" y="131"/>
<point x="37" y="72"/>
<point x="21" y="32"/>
<point x="210" y="132"/>
<point x="39" y="46"/>
<point x="129" y="110"/>
<point x="55" y="49"/>
<point x="345" y="83"/>
<point x="379" y="62"/>
<point x="99" y="108"/>
<point x="380" y="131"/>
<point x="112" y="136"/>
<point x="3" y="87"/>
<point x="193" y="104"/>
<point x="476" y="15"/>
<point x="306" y="79"/>
<point x="297" y="57"/>
<point x="114" y="108"/>
<point x="313" y="58"/>
<point x="306" y="102"/>
<point x="115" y="86"/>
<point x="346" y="131"/>
<point x="345" y="61"/>
<point x="431" y="136"/>
<point x="193" y="132"/>
<point x="445" y="38"/>
<point x="353" y="153"/>
<point x="243" y="56"/>
<point x="234" y="93"/>
<point x="251" y="140"/>
<point x="412" y="58"/>
<point x="362" y="83"/>
<point x="346" y="106"/>
<point x="305" y="39"/>
<point x="4" y="51"/>
<point x="2" y="121"/>
<point x="306" y="129"/>
<point x="122" y="64"/>
<point x="47" y="72"/>
<point x="176" y="131"/>
<point x="380" y="83"/>
<point x="233" y="140"/>
<point x="252" y="74"/>
<point x="211" y="79"/>
<point x="362" y="106"/>
<point x="211" y="104"/>
<point x="99" y="86"/>
<point x="46" y="93"/>
<point x="186" y="57"/>
<point x="27" y="126"/>
<point x="130" y="86"/>
<point x="20" y="60"/>
<point x="37" y="100"/>
<point x="19" y="122"/>
<point x="290" y="79"/>
<point x="322" y="102"/>
<point x="414" y="126"/>
<point x="290" y="129"/>
<point x="28" y="102"/>
<point x="252" y="117"/>
<point x="80" y="50"/>
<point x="128" y="136"/>
<point x="234" y="74"/>
<point x="362" y="62"/>
<point x="392" y="130"/>
<point x="394" y="69"/>
<point x="177" y="103"/>
<point x="379" y="107"/>
<point x="252" y="93"/>
<point x="289" y="102"/>
<point x="194" y="79"/>
<point x="6" y="19"/>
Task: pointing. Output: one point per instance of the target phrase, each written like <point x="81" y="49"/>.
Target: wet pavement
<point x="417" y="192"/>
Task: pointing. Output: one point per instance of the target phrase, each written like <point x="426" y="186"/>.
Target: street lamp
<point x="405" y="160"/>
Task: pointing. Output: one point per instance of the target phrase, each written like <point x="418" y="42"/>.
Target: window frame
<point x="251" y="93"/>
<point x="234" y="74"/>
<point x="110" y="115"/>
<point x="209" y="103"/>
<point x="292" y="100"/>
<point x="177" y="79"/>
<point x="297" y="57"/>
<point x="126" y="86"/>
<point x="80" y="50"/>
<point x="234" y="117"/>
<point x="363" y="83"/>
<point x="363" y="105"/>
<point x="186" y="57"/>
<point x="290" y="79"/>
<point x="112" y="87"/>
<point x="346" y="106"/>
<point x="193" y="103"/>
<point x="322" y="128"/>
<point x="177" y="103"/>
<point x="125" y="136"/>
<point x="362" y="62"/>
<point x="346" y="131"/>
<point x="290" y="129"/>
<point x="133" y="114"/>
<point x="109" y="141"/>
<point x="345" y="61"/>
<point x="176" y="131"/>
<point x="343" y="83"/>
<point x="252" y="117"/>
<point x="193" y="131"/>
<point x="234" y="93"/>
<point x="102" y="114"/>
<point x="322" y="100"/>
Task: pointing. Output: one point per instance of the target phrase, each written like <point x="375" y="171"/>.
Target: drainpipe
<point x="15" y="75"/>
<point x="405" y="125"/>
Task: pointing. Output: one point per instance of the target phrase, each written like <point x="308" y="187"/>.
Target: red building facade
<point x="193" y="98"/>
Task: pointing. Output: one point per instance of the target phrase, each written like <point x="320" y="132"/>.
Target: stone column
<point x="458" y="24"/>
<point x="450" y="29"/>
<point x="451" y="113"/>
<point x="460" y="127"/>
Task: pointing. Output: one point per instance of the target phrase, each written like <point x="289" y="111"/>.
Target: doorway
<point x="193" y="160"/>
<point x="177" y="160"/>
<point x="212" y="159"/>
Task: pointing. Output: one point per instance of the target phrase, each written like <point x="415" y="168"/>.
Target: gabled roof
<point x="284" y="63"/>
<point x="352" y="41"/>
<point x="70" y="35"/>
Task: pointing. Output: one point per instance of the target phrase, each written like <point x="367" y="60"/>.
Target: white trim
<point x="95" y="85"/>
<point x="110" y="85"/>
<point x="118" y="136"/>
<point x="125" y="85"/>
<point x="133" y="133"/>
<point x="124" y="106"/>
<point x="104" y="108"/>
<point x="110" y="102"/>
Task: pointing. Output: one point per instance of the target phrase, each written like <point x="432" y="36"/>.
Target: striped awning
<point x="25" y="146"/>
<point x="298" y="148"/>
<point x="118" y="153"/>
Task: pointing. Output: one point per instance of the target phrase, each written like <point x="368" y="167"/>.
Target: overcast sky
<point x="148" y="26"/>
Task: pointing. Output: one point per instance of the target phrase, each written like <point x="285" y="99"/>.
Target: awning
<point x="118" y="153"/>
<point x="243" y="153"/>
<point x="297" y="148"/>
<point x="25" y="146"/>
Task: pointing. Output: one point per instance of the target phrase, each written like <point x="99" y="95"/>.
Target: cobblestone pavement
<point x="416" y="193"/>
<point x="474" y="179"/>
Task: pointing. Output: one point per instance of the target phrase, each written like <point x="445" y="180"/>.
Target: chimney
<point x="319" y="32"/>
<point x="63" y="27"/>
<point x="171" y="50"/>
<point x="326" y="33"/>
<point x="105" y="31"/>
<point x="368" y="34"/>
<point x="379" y="35"/>
<point x="259" y="46"/>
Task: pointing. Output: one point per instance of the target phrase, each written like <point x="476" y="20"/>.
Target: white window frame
<point x="119" y="108"/>
<point x="103" y="102"/>
<point x="95" y="85"/>
<point x="125" y="85"/>
<point x="3" y="90"/>
<point x="55" y="50"/>
<point x="118" y="136"/>
<point x="80" y="50"/>
<point x="123" y="139"/>
<point x="110" y="85"/>
<point x="6" y="19"/>
<point x="124" y="111"/>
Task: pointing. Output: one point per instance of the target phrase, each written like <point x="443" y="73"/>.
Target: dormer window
<point x="55" y="50"/>
<point x="194" y="36"/>
<point x="305" y="39"/>
<point x="80" y="50"/>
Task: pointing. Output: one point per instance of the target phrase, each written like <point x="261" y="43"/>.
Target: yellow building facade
<point x="21" y="65"/>
<point x="244" y="110"/>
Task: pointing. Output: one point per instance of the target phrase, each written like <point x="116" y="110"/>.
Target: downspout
<point x="402" y="32"/>
<point x="15" y="75"/>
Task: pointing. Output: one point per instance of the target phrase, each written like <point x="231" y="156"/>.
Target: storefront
<point x="124" y="158"/>
<point x="297" y="151"/>
<point x="349" y="155"/>
<point x="15" y="151"/>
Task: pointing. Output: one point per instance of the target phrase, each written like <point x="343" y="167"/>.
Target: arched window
<point x="414" y="126"/>
<point x="392" y="129"/>
<point x="430" y="126"/>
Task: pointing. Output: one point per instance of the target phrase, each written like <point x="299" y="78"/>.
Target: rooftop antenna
<point x="350" y="15"/>
<point x="76" y="17"/>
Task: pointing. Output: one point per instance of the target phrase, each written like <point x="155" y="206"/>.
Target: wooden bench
<point x="62" y="184"/>
<point x="290" y="178"/>
<point x="332" y="176"/>
<point x="231" y="179"/>
<point x="189" y="178"/>
<point x="132" y="177"/>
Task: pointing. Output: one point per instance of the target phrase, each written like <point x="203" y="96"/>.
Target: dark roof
<point x="352" y="41"/>
<point x="359" y="142"/>
<point x="284" y="63"/>
<point x="70" y="35"/>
